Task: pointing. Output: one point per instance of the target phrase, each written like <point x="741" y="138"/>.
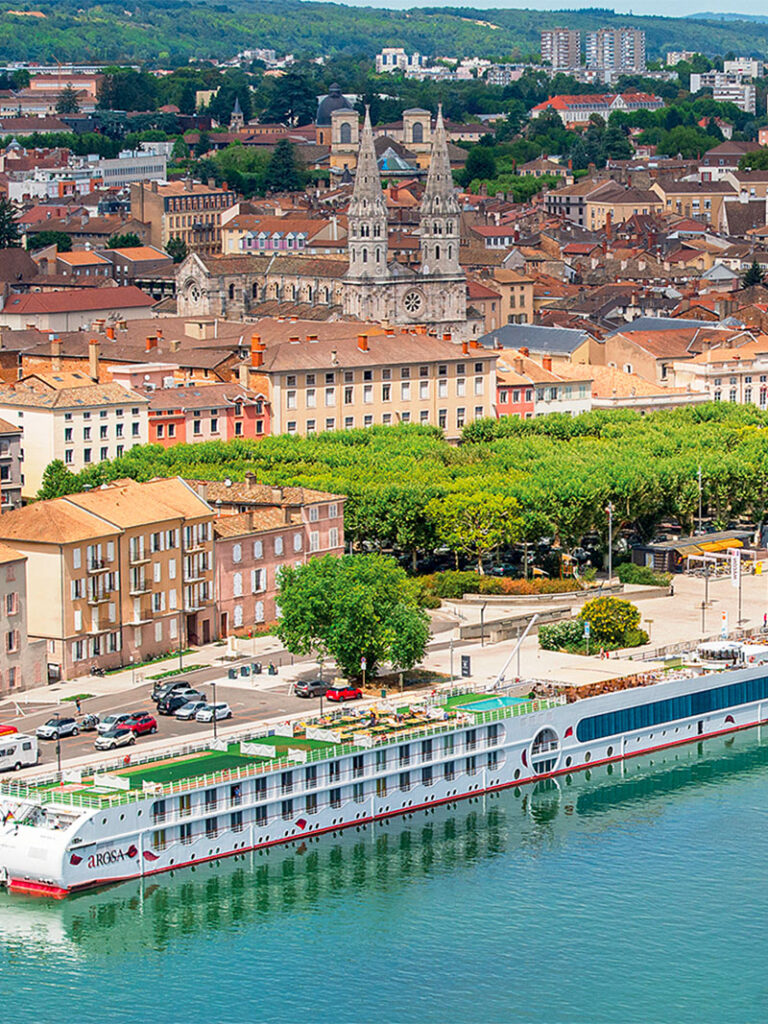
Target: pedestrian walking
<point x="671" y="589"/>
<point x="77" y="704"/>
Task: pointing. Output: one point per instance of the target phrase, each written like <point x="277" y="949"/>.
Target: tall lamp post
<point x="213" y="685"/>
<point x="609" y="510"/>
<point x="698" y="474"/>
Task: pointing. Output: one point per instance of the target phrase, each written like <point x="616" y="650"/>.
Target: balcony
<point x="198" y="545"/>
<point x="97" y="565"/>
<point x="144" y="615"/>
<point x="139" y="558"/>
<point x="100" y="627"/>
<point x="141" y="587"/>
<point x="96" y="599"/>
<point x="196" y="576"/>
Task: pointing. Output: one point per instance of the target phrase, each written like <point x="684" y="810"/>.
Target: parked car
<point x="112" y="721"/>
<point x="120" y="736"/>
<point x="344" y="692"/>
<point x="161" y="690"/>
<point x="57" y="728"/>
<point x="205" y="714"/>
<point x="142" y="722"/>
<point x="311" y="688"/>
<point x="190" y="709"/>
<point x="171" y="704"/>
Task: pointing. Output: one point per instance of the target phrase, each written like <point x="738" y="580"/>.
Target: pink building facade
<point x="251" y="547"/>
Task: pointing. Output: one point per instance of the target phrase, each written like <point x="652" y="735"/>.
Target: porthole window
<point x="568" y="761"/>
<point x="517" y="773"/>
<point x="609" y="751"/>
<point x="587" y="757"/>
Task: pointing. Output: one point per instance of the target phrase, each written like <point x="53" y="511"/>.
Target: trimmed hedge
<point x="642" y="575"/>
<point x="453" y="585"/>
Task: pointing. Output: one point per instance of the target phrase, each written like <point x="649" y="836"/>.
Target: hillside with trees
<point x="173" y="31"/>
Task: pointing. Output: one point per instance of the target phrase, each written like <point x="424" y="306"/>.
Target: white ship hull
<point x="54" y="851"/>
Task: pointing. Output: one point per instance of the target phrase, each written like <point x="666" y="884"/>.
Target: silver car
<point x="57" y="728"/>
<point x="112" y="721"/>
<point x="117" y="737"/>
<point x="190" y="709"/>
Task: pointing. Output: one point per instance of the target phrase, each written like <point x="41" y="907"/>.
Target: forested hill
<point x="165" y="31"/>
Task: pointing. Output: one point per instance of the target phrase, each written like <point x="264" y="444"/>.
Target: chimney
<point x="546" y="362"/>
<point x="464" y="348"/>
<point x="295" y="339"/>
<point x="524" y="351"/>
<point x="312" y="338"/>
<point x="153" y="186"/>
<point x="251" y="481"/>
<point x="517" y="363"/>
<point x="188" y="187"/>
<point x="151" y="343"/>
<point x="56" y="355"/>
<point x="175" y="345"/>
<point x="159" y="335"/>
<point x="334" y="357"/>
<point x="362" y="342"/>
<point x="474" y="343"/>
<point x="243" y="375"/>
<point x="93" y="359"/>
<point x="111" y="333"/>
<point x="447" y="336"/>
<point x="608" y="226"/>
<point x="257" y="351"/>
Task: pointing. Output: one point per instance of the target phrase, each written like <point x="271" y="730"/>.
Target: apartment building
<point x="186" y="210"/>
<point x="259" y="530"/>
<point x="362" y="381"/>
<point x="727" y="88"/>
<point x="561" y="48"/>
<point x="616" y="50"/>
<point x="700" y="200"/>
<point x="117" y="575"/>
<point x="395" y="58"/>
<point x="10" y="465"/>
<point x="206" y="412"/>
<point x="73" y="418"/>
<point x="22" y="662"/>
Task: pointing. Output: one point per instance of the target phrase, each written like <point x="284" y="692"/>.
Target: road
<point x="247" y="705"/>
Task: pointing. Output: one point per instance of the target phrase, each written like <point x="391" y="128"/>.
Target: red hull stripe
<point x="35" y="888"/>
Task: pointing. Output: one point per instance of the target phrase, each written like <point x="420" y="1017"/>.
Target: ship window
<point x="689" y="705"/>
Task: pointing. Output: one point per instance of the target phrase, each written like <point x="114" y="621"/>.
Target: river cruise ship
<point x="139" y="817"/>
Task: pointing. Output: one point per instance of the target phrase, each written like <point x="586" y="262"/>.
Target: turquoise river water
<point x="631" y="893"/>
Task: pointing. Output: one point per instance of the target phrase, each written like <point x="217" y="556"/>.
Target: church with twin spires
<point x="376" y="288"/>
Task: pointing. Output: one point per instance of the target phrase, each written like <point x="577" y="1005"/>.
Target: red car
<point x="140" y="723"/>
<point x="339" y="693"/>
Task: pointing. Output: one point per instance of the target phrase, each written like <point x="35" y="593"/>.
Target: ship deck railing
<point x="38" y="793"/>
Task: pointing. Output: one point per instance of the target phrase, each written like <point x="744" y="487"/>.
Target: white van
<point x="17" y="750"/>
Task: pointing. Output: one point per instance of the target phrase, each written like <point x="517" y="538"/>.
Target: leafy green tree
<point x="203" y="144"/>
<point x="40" y="239"/>
<point x="177" y="249"/>
<point x="56" y="481"/>
<point x="283" y="174"/>
<point x="475" y="524"/>
<point x="68" y="103"/>
<point x="9" y="229"/>
<point x="352" y="607"/>
<point x="129" y="240"/>
<point x="616" y="145"/>
<point x="126" y="89"/>
<point x="293" y="100"/>
<point x="757" y="161"/>
<point x="180" y="149"/>
<point x="480" y="165"/>
<point x="753" y="275"/>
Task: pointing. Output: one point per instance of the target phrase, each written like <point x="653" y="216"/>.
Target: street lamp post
<point x="58" y="750"/>
<point x="181" y="638"/>
<point x="213" y="685"/>
<point x="698" y="474"/>
<point x="482" y="625"/>
<point x="609" y="510"/>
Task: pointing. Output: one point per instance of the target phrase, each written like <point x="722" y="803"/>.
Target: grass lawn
<point x="465" y="698"/>
<point x="188" y="767"/>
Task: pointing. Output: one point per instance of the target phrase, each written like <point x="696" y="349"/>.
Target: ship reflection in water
<point x="243" y="891"/>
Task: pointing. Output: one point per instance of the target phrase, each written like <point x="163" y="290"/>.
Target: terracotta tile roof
<point x="257" y="521"/>
<point x="74" y="300"/>
<point x="8" y="554"/>
<point x="53" y="522"/>
<point x="81" y="258"/>
<point x="475" y="291"/>
<point x="141" y="252"/>
<point x="248" y="492"/>
<point x="128" y="504"/>
<point x="34" y="392"/>
<point x="205" y="396"/>
<point x="9" y="428"/>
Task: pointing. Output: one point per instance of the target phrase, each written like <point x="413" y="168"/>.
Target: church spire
<point x="439" y="178"/>
<point x="367" y="214"/>
<point x="366" y="195"/>
<point x="440" y="234"/>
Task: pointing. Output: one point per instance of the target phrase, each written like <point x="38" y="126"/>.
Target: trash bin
<point x="245" y="670"/>
<point x="256" y="668"/>
<point x="232" y="673"/>
<point x="272" y="670"/>
<point x="383" y="694"/>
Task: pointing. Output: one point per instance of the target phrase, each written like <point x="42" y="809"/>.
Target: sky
<point x="678" y="8"/>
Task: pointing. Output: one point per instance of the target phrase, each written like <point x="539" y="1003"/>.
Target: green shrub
<point x="642" y="575"/>
<point x="560" y="635"/>
<point x="636" y="638"/>
<point x="610" y="619"/>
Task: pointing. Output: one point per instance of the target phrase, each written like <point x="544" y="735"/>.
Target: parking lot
<point x="248" y="704"/>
